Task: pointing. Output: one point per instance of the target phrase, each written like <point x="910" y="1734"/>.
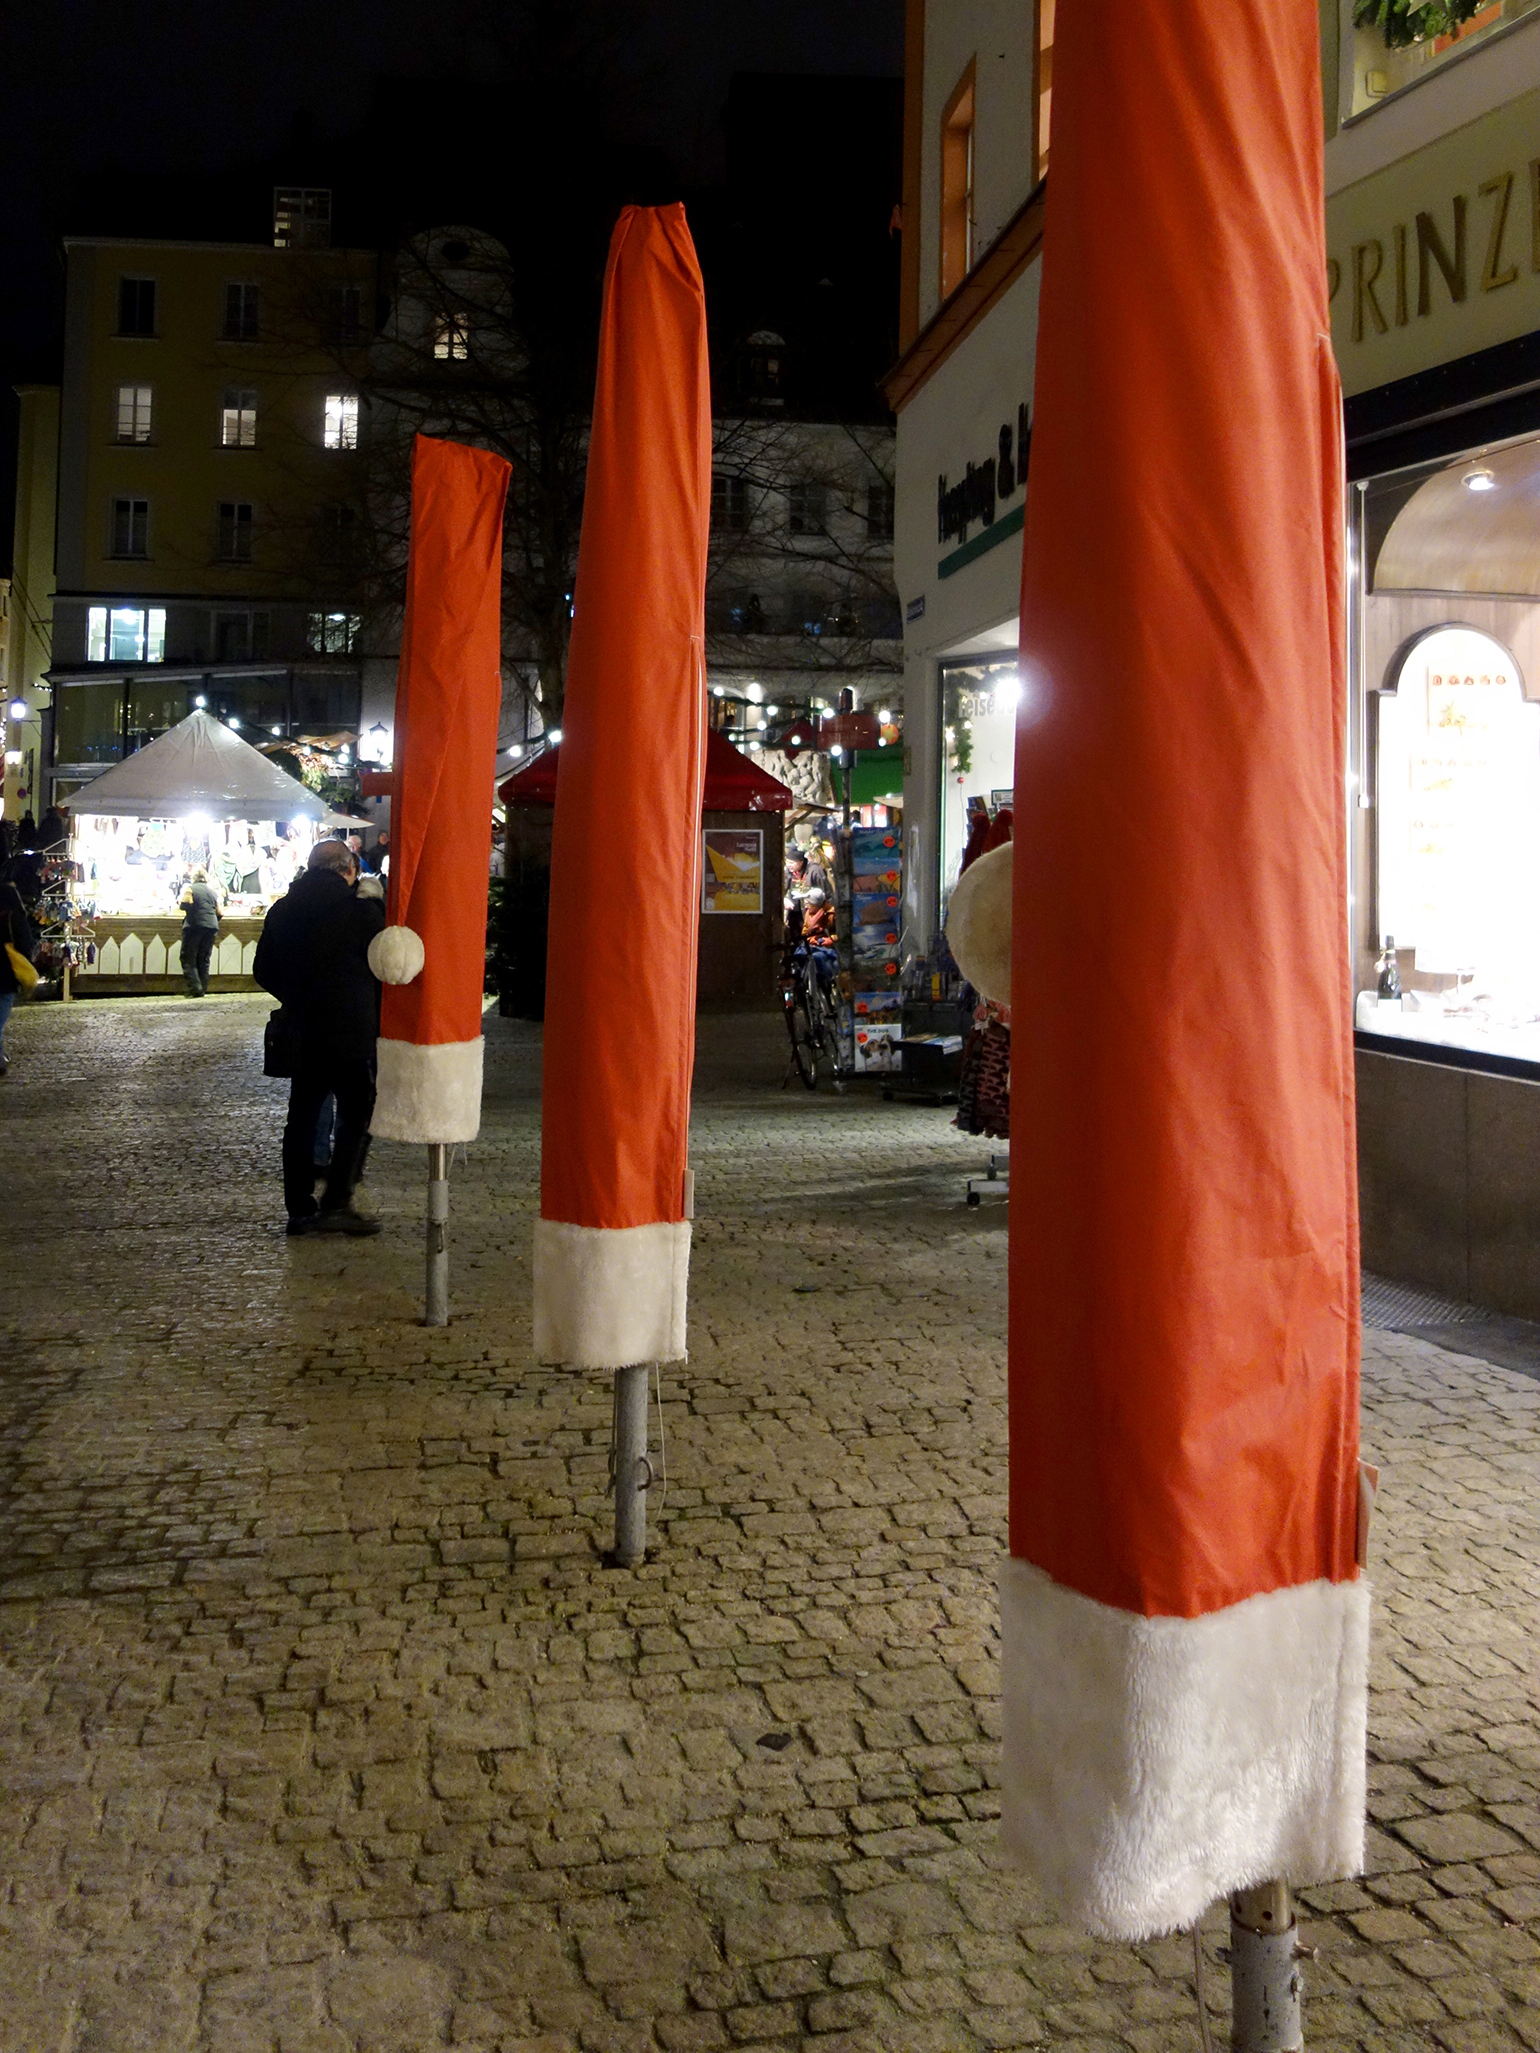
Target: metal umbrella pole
<point x="438" y="1235"/>
<point x="630" y="1468"/>
<point x="1264" y="1971"/>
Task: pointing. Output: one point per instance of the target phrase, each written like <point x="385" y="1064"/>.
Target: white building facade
<point x="1433" y="239"/>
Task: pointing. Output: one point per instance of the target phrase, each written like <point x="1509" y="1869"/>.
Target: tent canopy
<point x="199" y="766"/>
<point x="733" y="783"/>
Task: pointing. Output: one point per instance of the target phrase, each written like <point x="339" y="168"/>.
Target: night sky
<point x="171" y="86"/>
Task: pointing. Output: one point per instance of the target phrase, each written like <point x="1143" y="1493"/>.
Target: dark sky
<point x="198" y="85"/>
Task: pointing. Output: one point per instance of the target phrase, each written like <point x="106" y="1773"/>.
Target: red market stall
<point x="741" y="905"/>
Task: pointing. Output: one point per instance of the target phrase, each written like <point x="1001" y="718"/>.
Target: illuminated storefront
<point x="1447" y="567"/>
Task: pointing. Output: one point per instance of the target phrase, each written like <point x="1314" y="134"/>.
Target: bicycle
<point x="809" y="1011"/>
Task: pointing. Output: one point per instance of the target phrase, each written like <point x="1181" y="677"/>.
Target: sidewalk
<point x="324" y="1729"/>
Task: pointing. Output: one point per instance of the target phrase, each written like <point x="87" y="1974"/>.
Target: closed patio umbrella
<point x="1185" y="1627"/>
<point x="612" y="1242"/>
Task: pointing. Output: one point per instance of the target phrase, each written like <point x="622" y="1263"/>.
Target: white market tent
<point x="200" y="766"/>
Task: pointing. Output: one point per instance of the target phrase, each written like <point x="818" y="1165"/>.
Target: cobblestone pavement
<point x="325" y="1729"/>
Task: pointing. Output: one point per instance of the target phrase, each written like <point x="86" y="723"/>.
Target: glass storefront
<point x="978" y="753"/>
<point x="100" y="722"/>
<point x="1447" y="650"/>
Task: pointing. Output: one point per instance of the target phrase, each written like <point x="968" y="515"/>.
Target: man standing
<point x="313" y="957"/>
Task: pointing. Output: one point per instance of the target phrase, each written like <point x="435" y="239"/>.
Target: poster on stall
<point x="733" y="874"/>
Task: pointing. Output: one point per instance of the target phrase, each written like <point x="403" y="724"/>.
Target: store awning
<point x="199" y="766"/>
<point x="733" y="783"/>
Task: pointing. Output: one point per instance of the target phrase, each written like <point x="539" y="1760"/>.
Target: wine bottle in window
<point x="1388" y="986"/>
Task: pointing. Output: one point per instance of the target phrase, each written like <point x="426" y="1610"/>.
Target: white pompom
<point x="396" y="955"/>
<point x="978" y="924"/>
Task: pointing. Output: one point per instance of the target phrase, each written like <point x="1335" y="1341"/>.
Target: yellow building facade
<point x="208" y="496"/>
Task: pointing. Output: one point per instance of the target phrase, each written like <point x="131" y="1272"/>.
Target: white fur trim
<point x="607" y="1296"/>
<point x="396" y="955"/>
<point x="1153" y="1765"/>
<point x="978" y="924"/>
<point x="428" y="1094"/>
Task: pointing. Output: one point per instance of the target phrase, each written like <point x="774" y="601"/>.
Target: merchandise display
<point x="868" y="890"/>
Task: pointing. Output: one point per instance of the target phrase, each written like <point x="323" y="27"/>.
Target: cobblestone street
<point x="324" y="1728"/>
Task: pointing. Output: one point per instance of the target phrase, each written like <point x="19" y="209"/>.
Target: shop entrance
<point x="978" y="754"/>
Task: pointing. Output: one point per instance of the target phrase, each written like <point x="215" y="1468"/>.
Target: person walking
<point x="15" y="932"/>
<point x="314" y="958"/>
<point x="200" y="927"/>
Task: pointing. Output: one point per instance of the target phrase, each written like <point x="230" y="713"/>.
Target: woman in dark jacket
<point x="200" y="929"/>
<point x="16" y="930"/>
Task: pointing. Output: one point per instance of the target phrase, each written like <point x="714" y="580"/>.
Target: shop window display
<point x="1447" y="883"/>
<point x="978" y="765"/>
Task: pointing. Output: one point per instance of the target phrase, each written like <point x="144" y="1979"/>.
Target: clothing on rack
<point x="984" y="1087"/>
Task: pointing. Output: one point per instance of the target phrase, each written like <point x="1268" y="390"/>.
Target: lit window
<point x="238" y="420"/>
<point x="235" y="525"/>
<point x="134" y="413"/>
<point x="340" y="430"/>
<point x="452" y="337"/>
<point x="302" y="217"/>
<point x="136" y="306"/>
<point x="126" y="634"/>
<point x="240" y="313"/>
<point x="130" y="527"/>
<point x="957" y="185"/>
<point x="332" y="634"/>
<point x="730" y="505"/>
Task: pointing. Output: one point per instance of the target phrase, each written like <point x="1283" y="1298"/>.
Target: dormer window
<point x="302" y="217"/>
<point x="762" y="367"/>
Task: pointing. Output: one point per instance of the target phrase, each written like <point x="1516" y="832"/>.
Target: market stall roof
<point x="733" y="783"/>
<point x="199" y="766"/>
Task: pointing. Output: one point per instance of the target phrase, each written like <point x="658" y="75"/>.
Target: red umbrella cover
<point x="1185" y="1630"/>
<point x="613" y="1239"/>
<point x="448" y="695"/>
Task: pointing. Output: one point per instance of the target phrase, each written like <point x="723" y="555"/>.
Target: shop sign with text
<point x="1439" y="255"/>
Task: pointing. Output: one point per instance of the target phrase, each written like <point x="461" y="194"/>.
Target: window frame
<point x="732" y="503"/>
<point x="809" y="491"/>
<point x="100" y="631"/>
<point x="134" y="439"/>
<point x="321" y="637"/>
<point x="244" y="417"/>
<point x="345" y="421"/>
<point x="956" y="213"/>
<point x="237" y="528"/>
<point x="137" y="334"/>
<point x="297" y="222"/>
<point x="139" y="521"/>
<point x="451" y="338"/>
<point x="880" y="491"/>
<point x="245" y="330"/>
<point x="341" y="328"/>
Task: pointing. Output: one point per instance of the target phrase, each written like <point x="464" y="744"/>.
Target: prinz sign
<point x="977" y="495"/>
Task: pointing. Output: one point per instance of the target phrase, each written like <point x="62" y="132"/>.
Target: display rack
<point x="868" y="897"/>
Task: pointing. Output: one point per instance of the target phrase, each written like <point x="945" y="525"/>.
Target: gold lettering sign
<point x="1380" y="276"/>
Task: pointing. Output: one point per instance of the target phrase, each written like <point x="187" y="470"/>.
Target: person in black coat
<point x="314" y="958"/>
<point x="200" y="926"/>
<point x="16" y="929"/>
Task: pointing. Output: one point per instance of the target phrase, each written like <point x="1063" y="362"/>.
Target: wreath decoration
<point x="1403" y="22"/>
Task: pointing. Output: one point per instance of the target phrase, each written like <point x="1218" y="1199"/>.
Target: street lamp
<point x="17" y="710"/>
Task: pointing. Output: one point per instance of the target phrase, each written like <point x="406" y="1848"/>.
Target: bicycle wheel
<point x="803" y="1056"/>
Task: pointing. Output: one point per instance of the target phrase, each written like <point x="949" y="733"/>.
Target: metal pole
<point x="438" y="1235"/>
<point x="632" y="1469"/>
<point x="1264" y="1971"/>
